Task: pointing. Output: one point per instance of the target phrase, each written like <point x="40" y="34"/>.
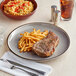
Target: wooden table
<point x="64" y="65"/>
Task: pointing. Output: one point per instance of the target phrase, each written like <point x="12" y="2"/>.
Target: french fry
<point x="27" y="40"/>
<point x="38" y="31"/>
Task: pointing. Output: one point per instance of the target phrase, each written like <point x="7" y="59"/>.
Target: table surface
<point x="64" y="65"/>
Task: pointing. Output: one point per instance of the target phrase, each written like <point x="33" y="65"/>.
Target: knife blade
<point x="20" y="65"/>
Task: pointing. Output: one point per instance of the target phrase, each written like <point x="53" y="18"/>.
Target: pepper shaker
<point x="56" y="17"/>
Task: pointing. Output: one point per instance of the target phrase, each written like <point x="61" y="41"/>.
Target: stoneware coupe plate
<point x="14" y="37"/>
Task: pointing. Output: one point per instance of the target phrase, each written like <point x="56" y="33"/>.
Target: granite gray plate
<point x="14" y="37"/>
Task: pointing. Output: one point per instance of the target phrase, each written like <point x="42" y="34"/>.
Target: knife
<point x="20" y="65"/>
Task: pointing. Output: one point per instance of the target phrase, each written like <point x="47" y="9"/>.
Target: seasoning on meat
<point x="46" y="46"/>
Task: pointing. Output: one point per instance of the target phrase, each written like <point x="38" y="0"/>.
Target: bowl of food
<point x="18" y="9"/>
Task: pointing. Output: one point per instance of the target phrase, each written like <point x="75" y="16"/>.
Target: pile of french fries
<point x="27" y="40"/>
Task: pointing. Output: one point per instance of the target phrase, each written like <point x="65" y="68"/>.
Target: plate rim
<point x="41" y="23"/>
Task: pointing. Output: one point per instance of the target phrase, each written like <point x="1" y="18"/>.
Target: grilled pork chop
<point x="46" y="46"/>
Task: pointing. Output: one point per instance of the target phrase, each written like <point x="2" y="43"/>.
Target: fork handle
<point x="30" y="73"/>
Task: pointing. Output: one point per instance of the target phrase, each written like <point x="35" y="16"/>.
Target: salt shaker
<point x="53" y="9"/>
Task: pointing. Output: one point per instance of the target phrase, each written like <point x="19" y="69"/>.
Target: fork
<point x="14" y="67"/>
<point x="30" y="73"/>
<point x="38" y="71"/>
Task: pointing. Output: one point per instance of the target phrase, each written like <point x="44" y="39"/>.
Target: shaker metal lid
<point x="53" y="6"/>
